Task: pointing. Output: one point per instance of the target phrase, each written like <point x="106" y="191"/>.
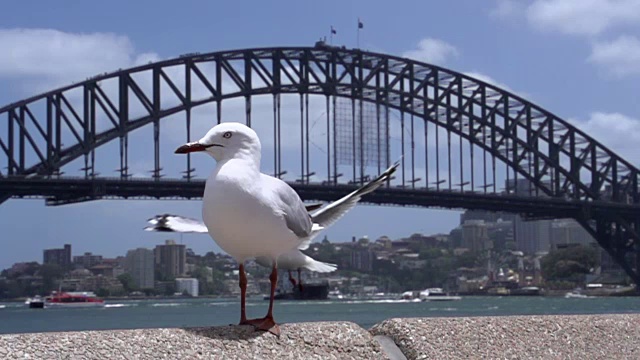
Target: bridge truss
<point x="459" y="138"/>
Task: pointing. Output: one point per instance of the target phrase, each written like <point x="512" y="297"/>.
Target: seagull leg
<point x="243" y="298"/>
<point x="268" y="324"/>
<point x="299" y="281"/>
<point x="291" y="279"/>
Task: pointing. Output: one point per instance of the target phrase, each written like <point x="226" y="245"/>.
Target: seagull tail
<point x="320" y="267"/>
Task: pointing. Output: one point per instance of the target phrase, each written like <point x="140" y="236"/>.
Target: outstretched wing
<point x="328" y="215"/>
<point x="176" y="223"/>
<point x="334" y="211"/>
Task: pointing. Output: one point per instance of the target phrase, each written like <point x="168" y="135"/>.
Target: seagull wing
<point x="176" y="223"/>
<point x="328" y="215"/>
<point x="293" y="209"/>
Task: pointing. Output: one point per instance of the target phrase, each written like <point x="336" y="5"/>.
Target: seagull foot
<point x="268" y="324"/>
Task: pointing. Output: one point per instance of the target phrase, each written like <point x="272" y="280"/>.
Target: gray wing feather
<point x="295" y="214"/>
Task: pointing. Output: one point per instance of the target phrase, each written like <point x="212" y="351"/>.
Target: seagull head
<point x="226" y="141"/>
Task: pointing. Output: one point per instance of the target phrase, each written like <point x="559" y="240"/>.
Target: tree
<point x="127" y="282"/>
<point x="569" y="264"/>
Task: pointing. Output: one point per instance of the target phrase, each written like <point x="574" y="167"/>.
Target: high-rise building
<point x="569" y="232"/>
<point x="475" y="236"/>
<point x="190" y="285"/>
<point x="139" y="263"/>
<point x="60" y="257"/>
<point x="531" y="236"/>
<point x="87" y="260"/>
<point x="362" y="259"/>
<point x="170" y="260"/>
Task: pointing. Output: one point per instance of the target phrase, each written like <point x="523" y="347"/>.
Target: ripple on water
<point x="169" y="304"/>
<point x="119" y="305"/>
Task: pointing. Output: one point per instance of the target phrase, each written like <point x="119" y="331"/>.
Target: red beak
<point x="190" y="147"/>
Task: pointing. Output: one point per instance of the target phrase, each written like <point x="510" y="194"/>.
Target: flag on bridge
<point x="333" y="31"/>
<point x="360" y="24"/>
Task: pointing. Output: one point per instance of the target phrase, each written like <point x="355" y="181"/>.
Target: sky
<point x="579" y="59"/>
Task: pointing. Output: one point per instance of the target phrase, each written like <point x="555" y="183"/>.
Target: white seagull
<point x="251" y="215"/>
<point x="292" y="260"/>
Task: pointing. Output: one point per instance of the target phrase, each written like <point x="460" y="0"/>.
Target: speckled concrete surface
<point x="318" y="340"/>
<point x="516" y="337"/>
<point x="505" y="337"/>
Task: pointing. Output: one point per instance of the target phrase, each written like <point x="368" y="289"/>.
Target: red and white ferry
<point x="73" y="299"/>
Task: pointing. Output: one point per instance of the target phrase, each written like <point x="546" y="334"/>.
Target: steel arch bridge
<point x="550" y="168"/>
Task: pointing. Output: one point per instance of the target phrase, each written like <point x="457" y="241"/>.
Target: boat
<point x="525" y="291"/>
<point x="437" y="294"/>
<point x="310" y="291"/>
<point x="576" y="294"/>
<point x="36" y="302"/>
<point x="73" y="300"/>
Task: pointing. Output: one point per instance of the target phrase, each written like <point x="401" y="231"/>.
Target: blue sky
<point x="579" y="59"/>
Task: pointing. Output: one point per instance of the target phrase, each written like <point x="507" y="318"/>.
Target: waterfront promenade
<point x="510" y="337"/>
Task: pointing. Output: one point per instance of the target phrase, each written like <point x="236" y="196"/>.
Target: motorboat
<point x="437" y="294"/>
<point x="36" y="302"/>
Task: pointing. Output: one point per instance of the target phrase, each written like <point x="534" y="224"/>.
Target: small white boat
<point x="436" y="294"/>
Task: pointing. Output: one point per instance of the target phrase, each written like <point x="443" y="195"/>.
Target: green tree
<point x="569" y="264"/>
<point x="127" y="282"/>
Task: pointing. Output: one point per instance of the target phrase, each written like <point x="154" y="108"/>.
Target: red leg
<point x="291" y="279"/>
<point x="243" y="295"/>
<point x="243" y="300"/>
<point x="299" y="281"/>
<point x="269" y="324"/>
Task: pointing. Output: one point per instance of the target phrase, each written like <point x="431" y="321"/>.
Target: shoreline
<point x="612" y="336"/>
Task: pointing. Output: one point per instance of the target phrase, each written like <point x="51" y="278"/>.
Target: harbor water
<point x="181" y="312"/>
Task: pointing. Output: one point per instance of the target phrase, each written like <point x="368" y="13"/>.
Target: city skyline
<point x="567" y="62"/>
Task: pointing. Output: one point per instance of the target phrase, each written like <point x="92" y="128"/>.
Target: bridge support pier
<point x="615" y="236"/>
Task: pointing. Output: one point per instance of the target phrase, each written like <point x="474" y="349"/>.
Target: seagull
<point x="294" y="260"/>
<point x="250" y="214"/>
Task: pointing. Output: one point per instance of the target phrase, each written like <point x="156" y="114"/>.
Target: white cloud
<point x="432" y="51"/>
<point x="507" y="9"/>
<point x="488" y="79"/>
<point x="54" y="57"/>
<point x="616" y="131"/>
<point x="573" y="17"/>
<point x="620" y="57"/>
<point x="582" y="17"/>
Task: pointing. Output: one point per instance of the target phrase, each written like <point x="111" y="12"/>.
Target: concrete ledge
<point x="505" y="337"/>
<point x="301" y="341"/>
<point x="516" y="337"/>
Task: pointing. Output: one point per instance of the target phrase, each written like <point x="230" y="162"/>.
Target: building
<point x="60" y="257"/>
<point x="569" y="232"/>
<point x="139" y="263"/>
<point x="475" y="236"/>
<point x="170" y="260"/>
<point x="87" y="260"/>
<point x="190" y="285"/>
<point x="362" y="259"/>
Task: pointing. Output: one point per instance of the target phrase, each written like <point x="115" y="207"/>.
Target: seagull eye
<point x="227" y="135"/>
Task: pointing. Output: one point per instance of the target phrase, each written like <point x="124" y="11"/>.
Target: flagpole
<point x="360" y="26"/>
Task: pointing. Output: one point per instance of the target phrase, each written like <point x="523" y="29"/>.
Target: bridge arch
<point x="558" y="159"/>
